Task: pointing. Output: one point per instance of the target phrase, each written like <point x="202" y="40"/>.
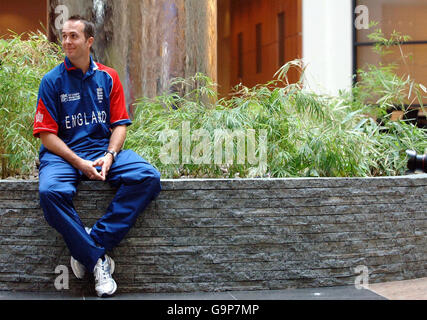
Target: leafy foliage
<point x="23" y="64"/>
<point x="308" y="134"/>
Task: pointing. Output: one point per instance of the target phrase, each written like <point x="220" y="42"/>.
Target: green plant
<point x="379" y="86"/>
<point x="308" y="134"/>
<point x="24" y="62"/>
<point x="378" y="92"/>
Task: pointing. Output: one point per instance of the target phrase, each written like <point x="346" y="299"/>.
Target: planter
<point x="232" y="234"/>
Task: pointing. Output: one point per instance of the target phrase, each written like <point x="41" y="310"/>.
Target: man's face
<point x="74" y="43"/>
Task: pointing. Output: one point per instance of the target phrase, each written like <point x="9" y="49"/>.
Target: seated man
<point x="81" y="119"/>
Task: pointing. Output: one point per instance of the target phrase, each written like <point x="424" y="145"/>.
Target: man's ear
<point x="90" y="41"/>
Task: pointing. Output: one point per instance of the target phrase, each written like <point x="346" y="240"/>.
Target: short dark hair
<point x="89" y="27"/>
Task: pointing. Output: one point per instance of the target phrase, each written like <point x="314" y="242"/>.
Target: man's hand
<point x="55" y="145"/>
<point x="89" y="170"/>
<point x="105" y="164"/>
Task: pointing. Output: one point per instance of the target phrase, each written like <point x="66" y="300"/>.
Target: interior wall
<point x="327" y="45"/>
<point x="22" y="16"/>
<point x="256" y="59"/>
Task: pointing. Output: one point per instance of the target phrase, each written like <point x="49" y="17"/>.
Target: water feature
<point x="149" y="41"/>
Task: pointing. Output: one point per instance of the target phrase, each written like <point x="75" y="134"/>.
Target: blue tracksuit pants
<point x="138" y="184"/>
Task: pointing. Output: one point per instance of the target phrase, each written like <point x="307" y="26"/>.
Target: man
<point x="81" y="119"/>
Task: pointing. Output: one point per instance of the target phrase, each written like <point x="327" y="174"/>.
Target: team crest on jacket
<point x="100" y="94"/>
<point x="39" y="117"/>
<point x="68" y="97"/>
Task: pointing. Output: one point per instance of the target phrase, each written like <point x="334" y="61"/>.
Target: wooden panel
<point x="245" y="15"/>
<point x="22" y="16"/>
<point x="406" y="17"/>
<point x="415" y="64"/>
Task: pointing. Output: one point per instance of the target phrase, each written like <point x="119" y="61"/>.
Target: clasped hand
<point x="89" y="168"/>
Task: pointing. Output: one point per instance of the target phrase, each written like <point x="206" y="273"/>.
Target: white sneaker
<point x="104" y="284"/>
<point x="79" y="269"/>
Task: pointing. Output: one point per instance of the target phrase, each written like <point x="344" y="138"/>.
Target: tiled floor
<point x="327" y="293"/>
<point x="415" y="289"/>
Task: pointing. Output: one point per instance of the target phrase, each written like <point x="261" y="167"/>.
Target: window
<point x="281" y="38"/>
<point x="248" y="45"/>
<point x="258" y="32"/>
<point x="240" y="55"/>
<point x="405" y="17"/>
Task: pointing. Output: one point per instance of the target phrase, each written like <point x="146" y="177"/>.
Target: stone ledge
<point x="232" y="234"/>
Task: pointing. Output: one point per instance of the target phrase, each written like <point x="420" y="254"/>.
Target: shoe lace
<point x="102" y="272"/>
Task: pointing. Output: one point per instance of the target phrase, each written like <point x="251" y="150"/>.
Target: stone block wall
<point x="237" y="234"/>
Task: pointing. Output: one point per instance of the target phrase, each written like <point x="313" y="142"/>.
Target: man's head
<point x="77" y="37"/>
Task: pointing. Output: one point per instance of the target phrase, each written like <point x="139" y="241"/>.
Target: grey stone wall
<point x="244" y="234"/>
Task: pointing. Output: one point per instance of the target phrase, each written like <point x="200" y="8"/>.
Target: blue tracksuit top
<point x="80" y="109"/>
